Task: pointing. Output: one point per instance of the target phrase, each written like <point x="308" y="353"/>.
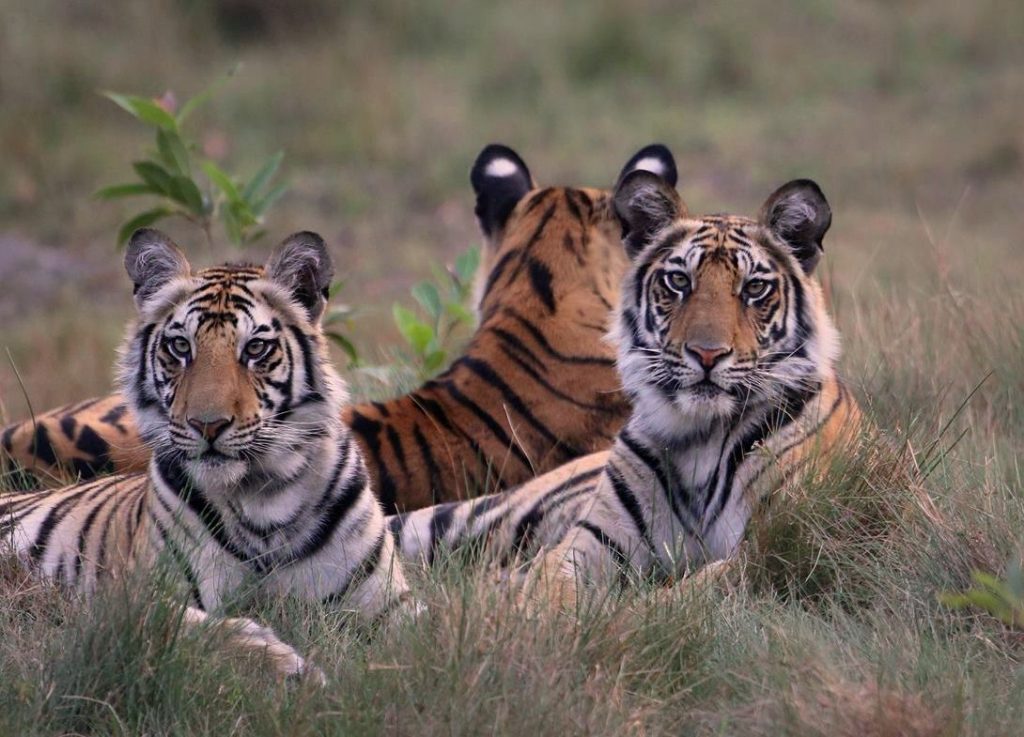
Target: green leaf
<point x="155" y="176"/>
<point x="186" y="192"/>
<point x="254" y="235"/>
<point x="460" y="313"/>
<point x="202" y="97"/>
<point x="262" y="177"/>
<point x="144" y="109"/>
<point x="346" y="345"/>
<point x="244" y="215"/>
<point x="221" y="180"/>
<point x="141" y="221"/>
<point x="434" y="361"/>
<point x="403" y="317"/>
<point x="416" y="333"/>
<point x="336" y="287"/>
<point x="172" y="151"/>
<point x="426" y="294"/>
<point x="269" y="199"/>
<point x="338" y="313"/>
<point x="954" y="601"/>
<point x="124" y="190"/>
<point x="419" y="336"/>
<point x="442" y="276"/>
<point x="466" y="264"/>
<point x="232" y="226"/>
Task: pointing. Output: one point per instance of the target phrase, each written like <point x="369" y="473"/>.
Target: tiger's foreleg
<point x="249" y="636"/>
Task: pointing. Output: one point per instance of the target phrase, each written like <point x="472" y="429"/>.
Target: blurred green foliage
<point x="167" y="173"/>
<point x="1003" y="598"/>
<point x="442" y="304"/>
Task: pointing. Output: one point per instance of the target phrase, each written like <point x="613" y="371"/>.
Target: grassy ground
<point x="907" y="114"/>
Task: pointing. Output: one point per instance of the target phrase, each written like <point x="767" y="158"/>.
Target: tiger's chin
<point x="683" y="413"/>
<point x="705" y="403"/>
<point x="216" y="471"/>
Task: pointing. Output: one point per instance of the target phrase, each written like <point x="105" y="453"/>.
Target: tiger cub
<point x="536" y="387"/>
<point x="729" y="357"/>
<point x="253" y="475"/>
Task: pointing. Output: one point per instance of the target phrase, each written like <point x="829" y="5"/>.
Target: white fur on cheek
<point x="501" y="168"/>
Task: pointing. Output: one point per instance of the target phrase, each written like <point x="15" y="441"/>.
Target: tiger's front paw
<point x="249" y="636"/>
<point x="550" y="587"/>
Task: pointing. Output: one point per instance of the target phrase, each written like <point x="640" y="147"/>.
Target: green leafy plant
<point x="168" y="173"/>
<point x="442" y="312"/>
<point x="338" y="324"/>
<point x="1002" y="598"/>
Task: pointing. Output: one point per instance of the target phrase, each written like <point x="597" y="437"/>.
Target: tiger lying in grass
<point x="729" y="356"/>
<point x="535" y="388"/>
<point x="253" y="474"/>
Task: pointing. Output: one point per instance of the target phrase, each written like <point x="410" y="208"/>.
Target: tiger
<point x="728" y="355"/>
<point x="252" y="476"/>
<point x="535" y="388"/>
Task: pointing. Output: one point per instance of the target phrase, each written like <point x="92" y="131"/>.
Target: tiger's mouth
<point x="707" y="388"/>
<point x="214" y="457"/>
<point x="703" y="388"/>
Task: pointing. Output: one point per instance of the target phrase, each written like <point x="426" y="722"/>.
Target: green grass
<point x="907" y="115"/>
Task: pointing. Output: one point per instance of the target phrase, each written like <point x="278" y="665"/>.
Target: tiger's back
<point x="78" y="441"/>
<point x="537" y="385"/>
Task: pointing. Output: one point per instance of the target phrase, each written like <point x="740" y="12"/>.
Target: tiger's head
<point x="720" y="315"/>
<point x="226" y="367"/>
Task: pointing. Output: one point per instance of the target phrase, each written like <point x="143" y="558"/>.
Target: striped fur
<point x="536" y="387"/>
<point x="705" y="446"/>
<point x="253" y="476"/>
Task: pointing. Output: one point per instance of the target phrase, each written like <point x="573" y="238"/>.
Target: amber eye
<point x="256" y="348"/>
<point x="756" y="288"/>
<point x="180" y="347"/>
<point x="677" y="281"/>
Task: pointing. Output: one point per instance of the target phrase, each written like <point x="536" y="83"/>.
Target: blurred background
<point x="909" y="115"/>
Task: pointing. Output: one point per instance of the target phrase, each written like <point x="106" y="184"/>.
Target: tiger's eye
<point x="180" y="347"/>
<point x="755" y="288"/>
<point x="677" y="281"/>
<point x="256" y="348"/>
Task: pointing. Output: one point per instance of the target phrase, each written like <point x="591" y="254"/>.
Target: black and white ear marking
<point x="152" y="260"/>
<point x="656" y="159"/>
<point x="500" y="179"/>
<point x="645" y="203"/>
<point x="303" y="266"/>
<point x="799" y="215"/>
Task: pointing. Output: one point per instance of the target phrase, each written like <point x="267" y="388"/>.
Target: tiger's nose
<point x="708" y="356"/>
<point x="210" y="428"/>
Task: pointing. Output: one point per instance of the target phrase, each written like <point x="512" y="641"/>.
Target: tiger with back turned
<point x="253" y="476"/>
<point x="536" y="387"/>
<point x="729" y="356"/>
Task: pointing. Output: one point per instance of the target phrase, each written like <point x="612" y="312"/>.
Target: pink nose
<point x="210" y="429"/>
<point x="708" y="357"/>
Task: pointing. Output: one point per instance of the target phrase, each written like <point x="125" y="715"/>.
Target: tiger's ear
<point x="656" y="159"/>
<point x="302" y="265"/>
<point x="152" y="260"/>
<point x="500" y="179"/>
<point x="645" y="203"/>
<point x="798" y="214"/>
